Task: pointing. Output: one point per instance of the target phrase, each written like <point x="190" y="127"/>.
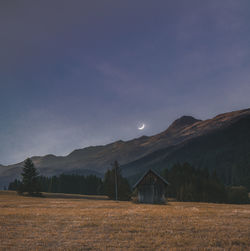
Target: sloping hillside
<point x="226" y="150"/>
<point x="96" y="159"/>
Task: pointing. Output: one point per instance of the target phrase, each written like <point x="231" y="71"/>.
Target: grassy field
<point x="95" y="223"/>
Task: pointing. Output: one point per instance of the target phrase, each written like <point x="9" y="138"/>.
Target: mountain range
<point x="221" y="143"/>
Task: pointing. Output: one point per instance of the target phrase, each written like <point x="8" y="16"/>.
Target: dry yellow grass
<point x="93" y="223"/>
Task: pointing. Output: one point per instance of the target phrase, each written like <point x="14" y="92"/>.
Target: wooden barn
<point x="151" y="188"/>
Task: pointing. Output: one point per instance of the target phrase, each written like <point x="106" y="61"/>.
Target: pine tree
<point x="114" y="182"/>
<point x="190" y="184"/>
<point x="30" y="179"/>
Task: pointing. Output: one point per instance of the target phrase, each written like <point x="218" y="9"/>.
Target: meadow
<point x="75" y="222"/>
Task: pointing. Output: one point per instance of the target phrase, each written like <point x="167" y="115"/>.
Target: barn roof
<point x="154" y="172"/>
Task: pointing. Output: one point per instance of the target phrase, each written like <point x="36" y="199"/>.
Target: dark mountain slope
<point x="97" y="159"/>
<point x="225" y="150"/>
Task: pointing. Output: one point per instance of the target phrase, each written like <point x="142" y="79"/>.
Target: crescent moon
<point x="141" y="127"/>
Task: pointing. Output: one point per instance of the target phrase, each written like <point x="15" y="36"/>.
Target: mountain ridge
<point x="98" y="158"/>
<point x="225" y="151"/>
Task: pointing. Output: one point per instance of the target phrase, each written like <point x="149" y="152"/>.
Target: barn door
<point x="149" y="194"/>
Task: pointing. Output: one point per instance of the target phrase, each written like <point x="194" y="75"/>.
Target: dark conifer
<point x="113" y="181"/>
<point x="30" y="179"/>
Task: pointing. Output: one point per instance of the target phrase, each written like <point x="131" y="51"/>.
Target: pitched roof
<point x="154" y="172"/>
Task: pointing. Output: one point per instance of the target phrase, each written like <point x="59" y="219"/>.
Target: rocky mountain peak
<point x="183" y="122"/>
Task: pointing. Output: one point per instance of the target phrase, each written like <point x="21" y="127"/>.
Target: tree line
<point x="193" y="184"/>
<point x="64" y="183"/>
<point x="33" y="184"/>
<point x="187" y="183"/>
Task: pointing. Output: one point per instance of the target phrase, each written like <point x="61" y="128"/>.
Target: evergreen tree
<point x="30" y="179"/>
<point x="190" y="184"/>
<point x="14" y="185"/>
<point x="65" y="183"/>
<point x="113" y="181"/>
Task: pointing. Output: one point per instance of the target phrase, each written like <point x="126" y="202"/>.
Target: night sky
<point x="79" y="73"/>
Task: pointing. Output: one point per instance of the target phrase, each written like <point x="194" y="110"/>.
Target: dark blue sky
<point x="79" y="73"/>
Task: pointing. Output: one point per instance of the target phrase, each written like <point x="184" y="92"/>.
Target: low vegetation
<point x="65" y="222"/>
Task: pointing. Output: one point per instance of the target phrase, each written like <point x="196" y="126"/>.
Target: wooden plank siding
<point x="151" y="188"/>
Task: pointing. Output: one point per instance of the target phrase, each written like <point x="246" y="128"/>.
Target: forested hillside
<point x="219" y="143"/>
<point x="226" y="150"/>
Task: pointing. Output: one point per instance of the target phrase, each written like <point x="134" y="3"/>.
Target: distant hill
<point x="136" y="155"/>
